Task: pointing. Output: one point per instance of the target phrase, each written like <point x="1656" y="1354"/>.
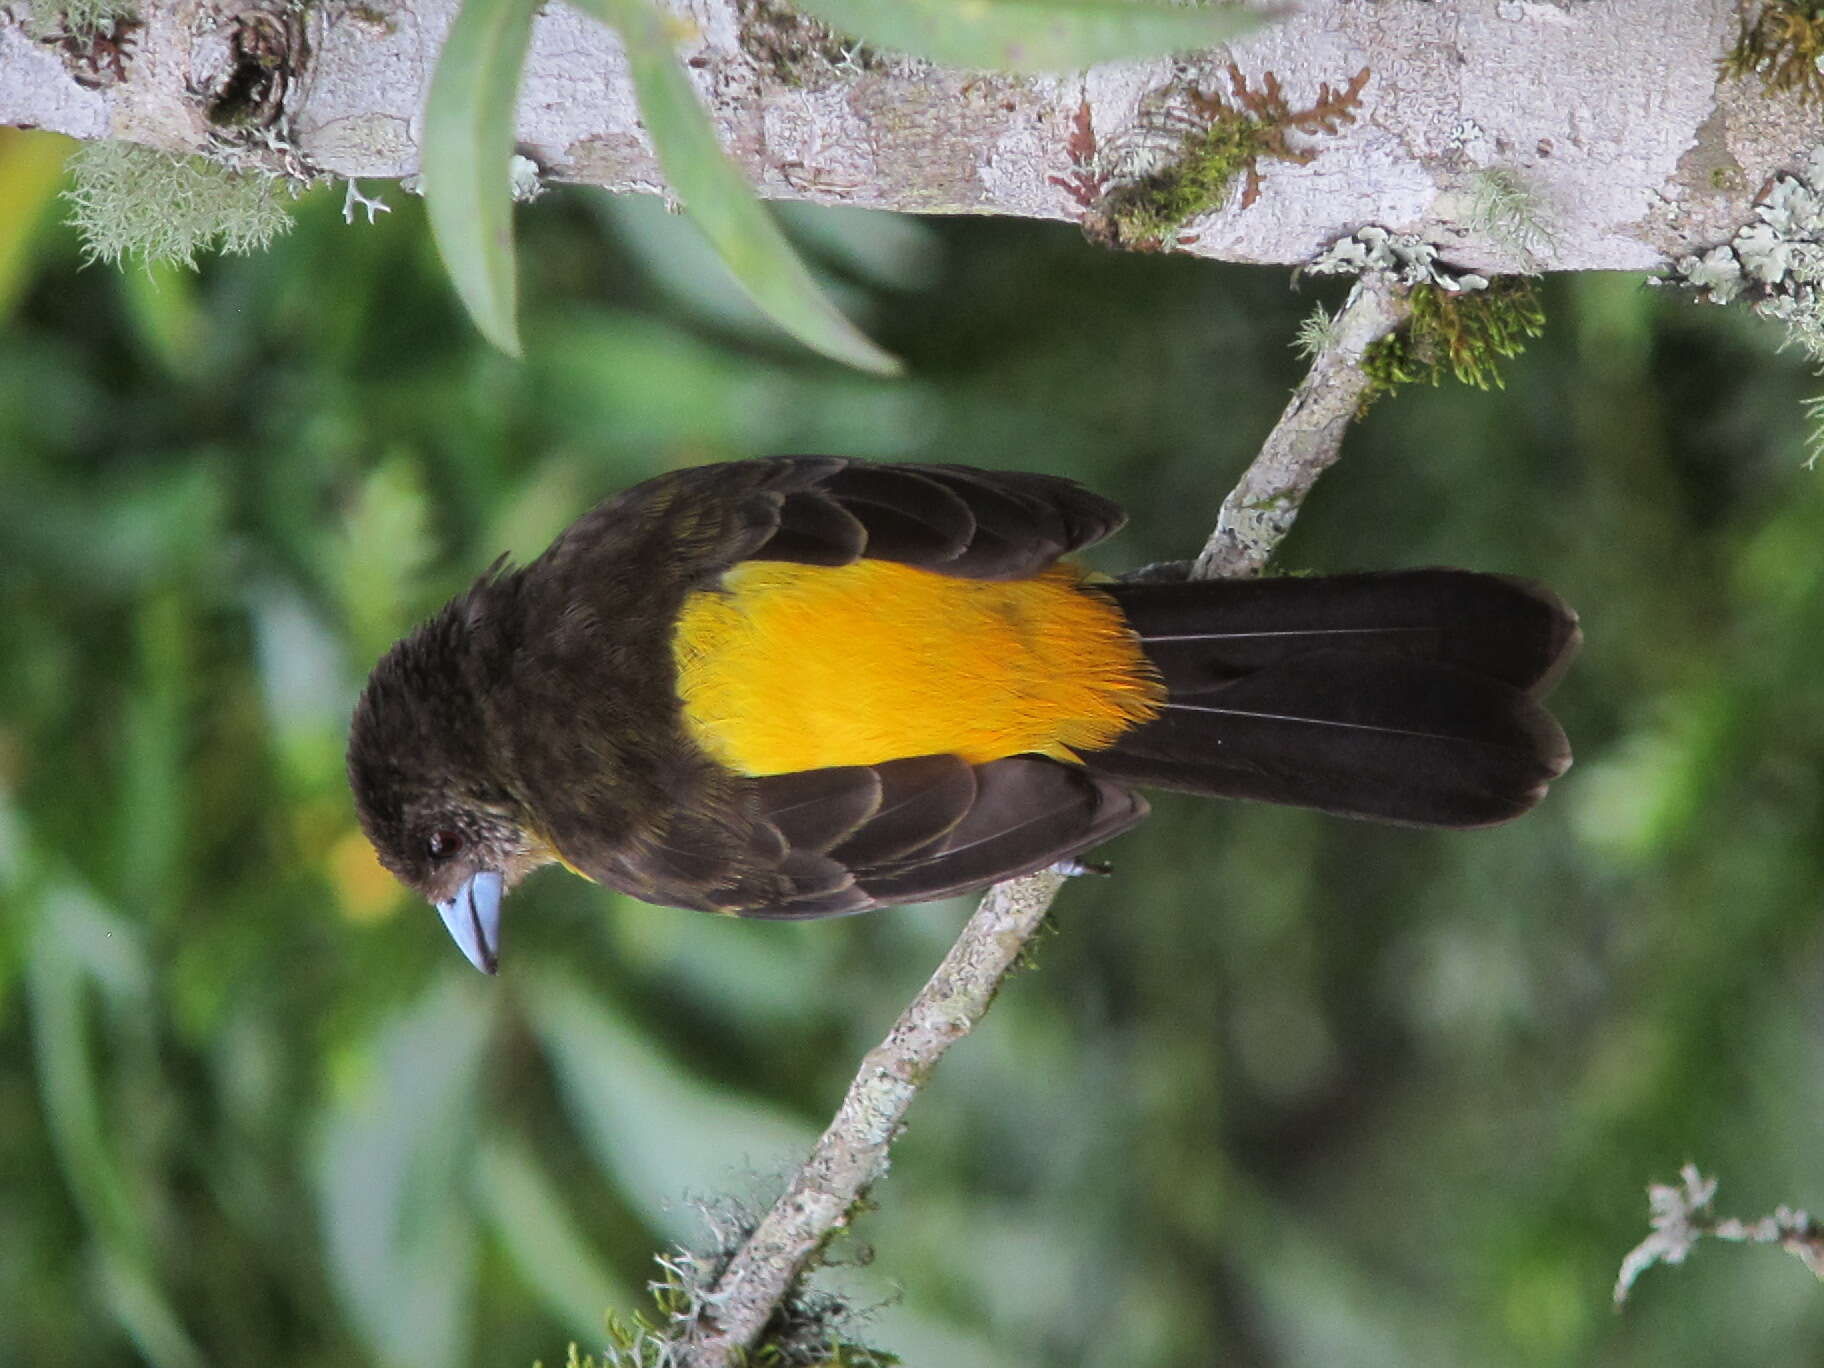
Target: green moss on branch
<point x="1782" y="44"/>
<point x="1223" y="143"/>
<point x="1460" y="333"/>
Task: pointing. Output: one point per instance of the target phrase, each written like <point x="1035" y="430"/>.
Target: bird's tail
<point x="1407" y="697"/>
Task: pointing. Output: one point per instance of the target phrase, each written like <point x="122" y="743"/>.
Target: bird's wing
<point x="829" y="510"/>
<point x="829" y="842"/>
<point x="842" y="839"/>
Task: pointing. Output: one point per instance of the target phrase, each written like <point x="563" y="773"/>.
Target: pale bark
<point x="1611" y="110"/>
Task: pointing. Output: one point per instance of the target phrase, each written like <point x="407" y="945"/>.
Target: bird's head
<point x="427" y="792"/>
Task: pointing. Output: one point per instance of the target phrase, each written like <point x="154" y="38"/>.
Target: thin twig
<point x="852" y="1154"/>
<point x="1683" y="1215"/>
<point x="1305" y="442"/>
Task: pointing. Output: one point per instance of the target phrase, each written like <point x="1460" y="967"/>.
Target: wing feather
<point x="833" y="841"/>
<point x="824" y="843"/>
<point x="1030" y="812"/>
<point x="974" y="524"/>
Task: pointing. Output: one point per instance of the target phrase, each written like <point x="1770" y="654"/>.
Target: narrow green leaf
<point x="79" y="940"/>
<point x="144" y="1311"/>
<point x="163" y="307"/>
<point x="152" y="793"/>
<point x="1034" y="35"/>
<point x="390" y="1158"/>
<point x="718" y="198"/>
<point x="531" y="1215"/>
<point x="658" y="1130"/>
<point x="468" y="149"/>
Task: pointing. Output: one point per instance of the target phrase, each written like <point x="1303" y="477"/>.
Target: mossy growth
<point x="1220" y="142"/>
<point x="1150" y="212"/>
<point x="1461" y="333"/>
<point x="128" y="200"/>
<point x="1782" y="44"/>
<point x="797" y="50"/>
<point x="46" y="20"/>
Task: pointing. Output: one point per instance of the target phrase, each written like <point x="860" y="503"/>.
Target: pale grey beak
<point x="473" y="918"/>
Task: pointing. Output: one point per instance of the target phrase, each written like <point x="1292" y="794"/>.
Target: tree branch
<point x="852" y="1154"/>
<point x="1609" y="118"/>
<point x="1683" y="1215"/>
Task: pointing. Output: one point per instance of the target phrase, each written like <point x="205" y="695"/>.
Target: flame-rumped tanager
<point x="808" y="686"/>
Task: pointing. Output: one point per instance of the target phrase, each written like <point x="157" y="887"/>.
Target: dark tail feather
<point x="1199" y="633"/>
<point x="1406" y="697"/>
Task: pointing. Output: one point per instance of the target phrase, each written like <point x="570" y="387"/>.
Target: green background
<point x="1285" y="1090"/>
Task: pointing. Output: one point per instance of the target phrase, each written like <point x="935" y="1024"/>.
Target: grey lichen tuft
<point x="1814" y="433"/>
<point x="1509" y="212"/>
<point x="524" y="179"/>
<point x="128" y="200"/>
<point x="810" y="1329"/>
<point x="1317" y="333"/>
<point x="1681" y="1216"/>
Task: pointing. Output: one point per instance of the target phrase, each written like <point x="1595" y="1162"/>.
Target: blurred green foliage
<point x="1286" y="1090"/>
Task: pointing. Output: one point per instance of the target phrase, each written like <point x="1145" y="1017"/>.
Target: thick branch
<point x="852" y="1154"/>
<point x="1612" y="114"/>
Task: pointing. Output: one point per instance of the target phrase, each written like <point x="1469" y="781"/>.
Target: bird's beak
<point x="473" y="917"/>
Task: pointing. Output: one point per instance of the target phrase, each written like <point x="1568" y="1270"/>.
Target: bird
<point x="805" y="686"/>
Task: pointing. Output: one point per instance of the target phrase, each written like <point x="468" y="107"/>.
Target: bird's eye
<point x="443" y="844"/>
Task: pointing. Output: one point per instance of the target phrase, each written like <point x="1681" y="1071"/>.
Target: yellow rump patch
<point x="795" y="667"/>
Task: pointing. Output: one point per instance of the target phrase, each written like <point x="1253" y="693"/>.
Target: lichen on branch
<point x="1506" y="209"/>
<point x="1685" y="1214"/>
<point x="1775" y="262"/>
<point x="128" y="200"/>
<point x="808" y="1328"/>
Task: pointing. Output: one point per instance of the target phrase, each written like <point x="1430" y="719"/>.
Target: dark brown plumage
<point x="538" y="717"/>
